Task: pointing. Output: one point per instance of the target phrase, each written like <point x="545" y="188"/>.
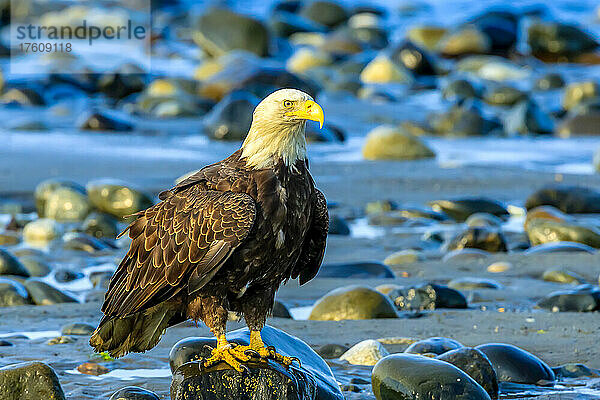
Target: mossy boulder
<point x="475" y="364"/>
<point x="231" y="118"/>
<point x="414" y="58"/>
<point x="41" y="231"/>
<point x="545" y="213"/>
<point x="433" y="345"/>
<point x="352" y="302"/>
<point x="513" y="364"/>
<point x="578" y="92"/>
<point x="10" y="265"/>
<point x="326" y="13"/>
<point x="117" y="198"/>
<point x="9" y="238"/>
<point x="78" y="328"/>
<point x="104" y="122"/>
<point x="460" y="90"/>
<point x="134" y="393"/>
<point x="580" y="123"/>
<point x="562" y="276"/>
<point x="219" y="31"/>
<point x="427" y="296"/>
<point x="427" y="36"/>
<point x="528" y="118"/>
<point x="312" y="380"/>
<point x="46" y="188"/>
<point x="35" y="266"/>
<point x="305" y="58"/>
<point x="504" y="96"/>
<point x="469" y="283"/>
<point x="383" y="70"/>
<point x="44" y="294"/>
<point x="462" y="120"/>
<point x="29" y="381"/>
<point x="461" y="209"/>
<point x="367" y="352"/>
<point x="357" y="270"/>
<point x="568" y="199"/>
<point x="464" y="42"/>
<point x="556" y="41"/>
<point x="540" y="232"/>
<point x="549" y="81"/>
<point x="388" y="143"/>
<point x="100" y="225"/>
<point x="67" y="204"/>
<point x="12" y="293"/>
<point x="583" y="298"/>
<point x="488" y="239"/>
<point x="410" y="376"/>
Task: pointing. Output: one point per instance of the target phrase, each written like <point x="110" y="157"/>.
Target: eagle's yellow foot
<point x="258" y="349"/>
<point x="225" y="352"/>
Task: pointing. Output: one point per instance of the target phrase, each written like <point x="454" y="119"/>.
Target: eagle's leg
<point x="256" y="307"/>
<point x="214" y="315"/>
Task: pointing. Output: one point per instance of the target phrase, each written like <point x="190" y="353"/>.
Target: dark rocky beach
<point x="457" y="159"/>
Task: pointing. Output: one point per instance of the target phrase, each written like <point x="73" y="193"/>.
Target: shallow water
<point x="31" y="335"/>
<point x="78" y="287"/>
<point x="300" y="313"/>
<point x="128" y="374"/>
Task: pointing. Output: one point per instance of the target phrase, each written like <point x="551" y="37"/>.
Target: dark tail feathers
<point x="137" y="333"/>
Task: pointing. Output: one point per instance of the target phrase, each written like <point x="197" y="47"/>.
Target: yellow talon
<point x="268" y="352"/>
<point x="234" y="355"/>
<point x="225" y="352"/>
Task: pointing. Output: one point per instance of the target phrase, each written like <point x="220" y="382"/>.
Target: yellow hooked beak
<point x="309" y="110"/>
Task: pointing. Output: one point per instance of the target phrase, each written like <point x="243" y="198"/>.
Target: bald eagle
<point x="224" y="239"/>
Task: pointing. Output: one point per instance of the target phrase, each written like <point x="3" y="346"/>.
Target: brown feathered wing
<point x="177" y="244"/>
<point x="187" y="236"/>
<point x="313" y="248"/>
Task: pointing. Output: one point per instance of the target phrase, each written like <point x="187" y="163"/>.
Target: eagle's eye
<point x="288" y="103"/>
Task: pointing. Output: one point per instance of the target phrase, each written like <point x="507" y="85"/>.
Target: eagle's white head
<point x="277" y="130"/>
